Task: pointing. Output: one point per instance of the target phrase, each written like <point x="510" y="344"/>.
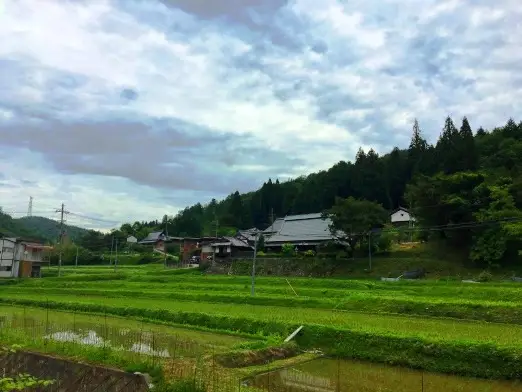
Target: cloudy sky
<point x="128" y="110"/>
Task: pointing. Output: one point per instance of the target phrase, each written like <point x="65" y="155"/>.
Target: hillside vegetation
<point x="38" y="228"/>
<point x="465" y="191"/>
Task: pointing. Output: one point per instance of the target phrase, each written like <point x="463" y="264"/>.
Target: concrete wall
<point x="71" y="376"/>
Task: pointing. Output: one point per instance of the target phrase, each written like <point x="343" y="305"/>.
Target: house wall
<point x="159" y="245"/>
<point x="13" y="260"/>
<point x="188" y="247"/>
<point x="400" y="216"/>
<point x="25" y="269"/>
<point x="9" y="252"/>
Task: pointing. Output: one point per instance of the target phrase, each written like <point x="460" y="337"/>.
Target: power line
<point x="92" y="218"/>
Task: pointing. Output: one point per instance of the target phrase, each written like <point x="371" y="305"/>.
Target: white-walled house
<point x="401" y="216"/>
<point x="20" y="258"/>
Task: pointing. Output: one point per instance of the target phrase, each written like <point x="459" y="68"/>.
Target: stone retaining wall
<point x="71" y="376"/>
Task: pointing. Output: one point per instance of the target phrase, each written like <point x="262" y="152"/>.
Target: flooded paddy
<point x="331" y="375"/>
<point x="112" y="332"/>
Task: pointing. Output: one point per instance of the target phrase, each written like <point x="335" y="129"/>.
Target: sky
<point x="129" y="110"/>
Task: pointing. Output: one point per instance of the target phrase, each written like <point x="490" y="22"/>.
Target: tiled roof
<point x="223" y="241"/>
<point x="302" y="228"/>
<point x="152" y="237"/>
<point x="275" y="227"/>
<point x="250" y="234"/>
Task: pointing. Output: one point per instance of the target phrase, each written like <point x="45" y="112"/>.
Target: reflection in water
<point x="91" y="339"/>
<point x="140" y="341"/>
<point x="329" y="375"/>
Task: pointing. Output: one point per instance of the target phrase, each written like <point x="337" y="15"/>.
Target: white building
<point x="401" y="216"/>
<point x="21" y="259"/>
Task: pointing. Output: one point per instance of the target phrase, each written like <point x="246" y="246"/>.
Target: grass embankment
<point x="367" y="331"/>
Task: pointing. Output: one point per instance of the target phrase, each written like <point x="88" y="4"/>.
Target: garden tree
<point x="503" y="233"/>
<point x="352" y="219"/>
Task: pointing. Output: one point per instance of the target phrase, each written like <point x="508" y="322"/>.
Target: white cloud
<point x="379" y="64"/>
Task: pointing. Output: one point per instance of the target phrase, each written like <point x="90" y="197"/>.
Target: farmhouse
<point x="20" y="258"/>
<point x="401" y="217"/>
<point x="305" y="231"/>
<point x="231" y="247"/>
<point x="159" y="239"/>
<point x="274" y="227"/>
<point x="248" y="236"/>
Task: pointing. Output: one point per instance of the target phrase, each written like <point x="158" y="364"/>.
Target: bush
<point x="146" y="259"/>
<point x="287" y="249"/>
<point x="309" y="253"/>
<point x="261" y="253"/>
<point x="341" y="255"/>
<point x="485" y="276"/>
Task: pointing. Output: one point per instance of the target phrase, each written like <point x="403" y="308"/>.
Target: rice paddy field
<point x="397" y="329"/>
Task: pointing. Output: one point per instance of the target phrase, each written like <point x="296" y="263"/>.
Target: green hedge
<point x="462" y="358"/>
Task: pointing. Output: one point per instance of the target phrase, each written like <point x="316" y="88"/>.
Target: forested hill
<point x="38" y="228"/>
<point x="495" y="154"/>
<point x="49" y="229"/>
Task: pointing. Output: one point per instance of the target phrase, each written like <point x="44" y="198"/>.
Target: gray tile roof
<point x="302" y="228"/>
<point x="233" y="241"/>
<point x="275" y="227"/>
<point x="152" y="237"/>
<point x="249" y="235"/>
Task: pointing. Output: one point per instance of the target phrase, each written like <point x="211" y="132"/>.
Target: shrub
<point x="309" y="253"/>
<point x="261" y="253"/>
<point x="485" y="276"/>
<point x="341" y="255"/>
<point x="146" y="259"/>
<point x="287" y="249"/>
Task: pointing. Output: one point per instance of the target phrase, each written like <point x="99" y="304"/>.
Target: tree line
<point x="465" y="178"/>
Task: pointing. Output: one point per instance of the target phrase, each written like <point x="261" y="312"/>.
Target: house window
<point x="6" y="268"/>
<point x="6" y="249"/>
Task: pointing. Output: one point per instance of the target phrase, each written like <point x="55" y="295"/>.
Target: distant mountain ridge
<point x="49" y="229"/>
<point x="37" y="227"/>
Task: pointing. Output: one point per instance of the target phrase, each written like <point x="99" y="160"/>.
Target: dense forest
<point x="469" y="180"/>
<point x="466" y="191"/>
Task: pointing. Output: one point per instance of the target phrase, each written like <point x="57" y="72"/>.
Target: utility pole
<point x="112" y="247"/>
<point x="272" y="216"/>
<point x="370" y="249"/>
<point x="62" y="213"/>
<point x="76" y="262"/>
<point x="116" y="258"/>
<point x="253" y="292"/>
<point x="214" y="248"/>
